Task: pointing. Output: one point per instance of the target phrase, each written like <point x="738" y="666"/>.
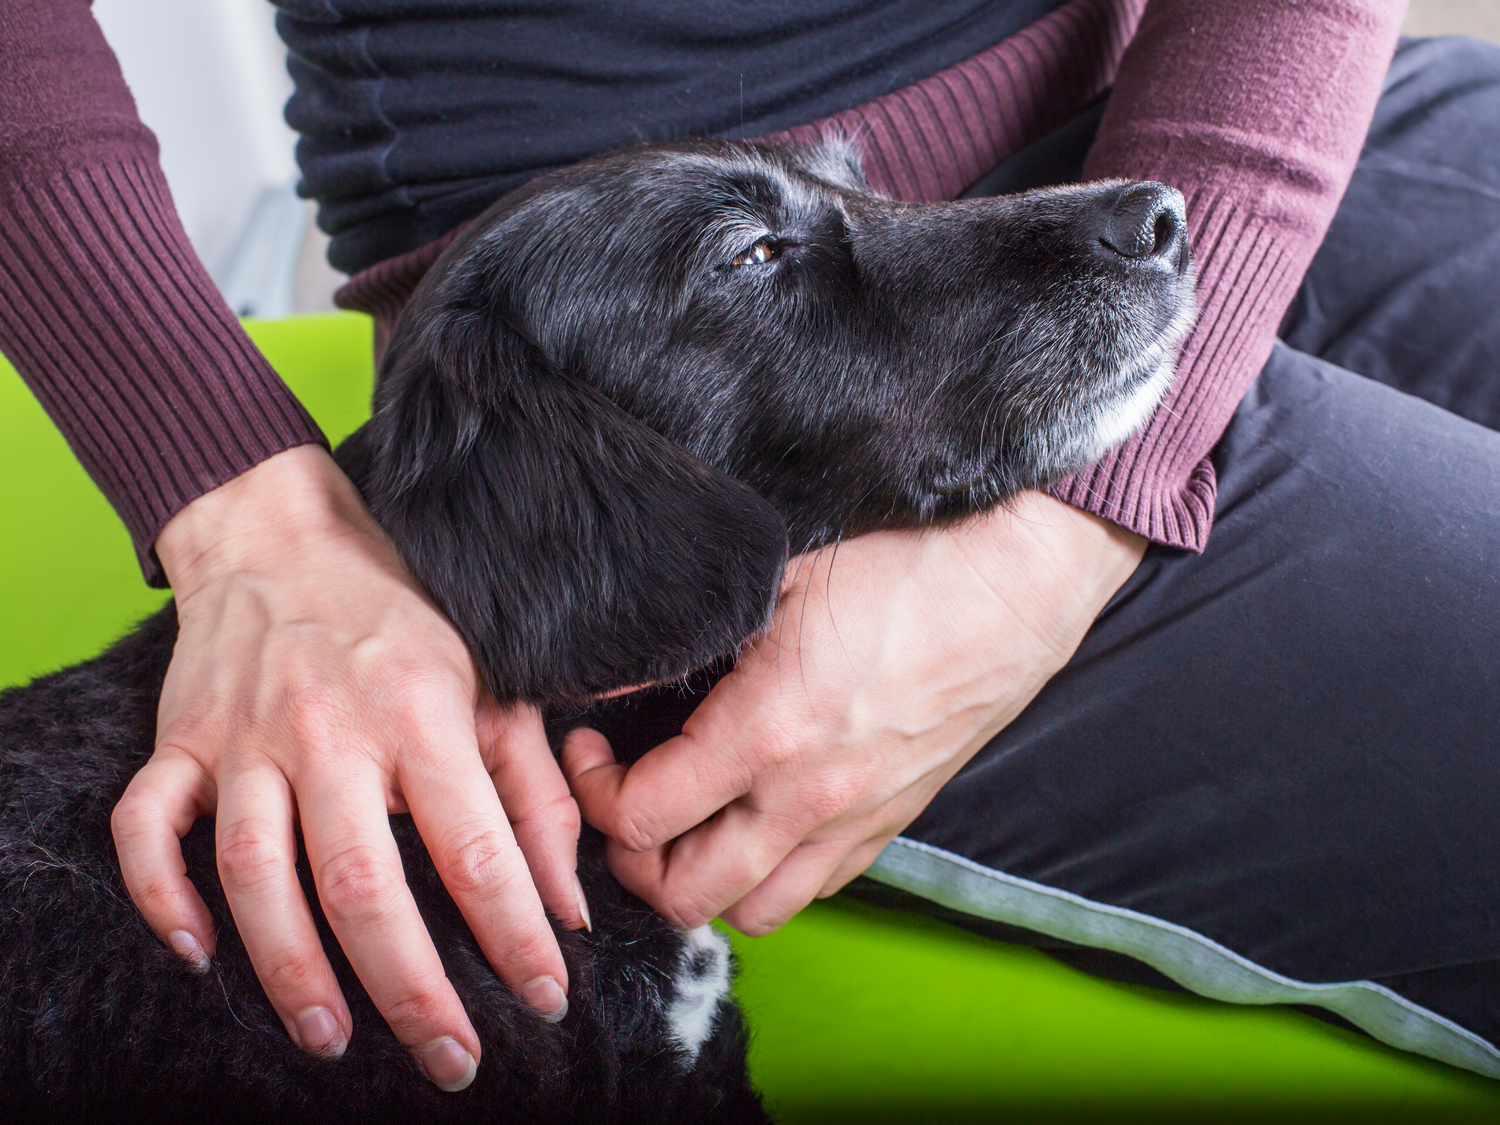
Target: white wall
<point x="209" y="78"/>
<point x="1454" y="17"/>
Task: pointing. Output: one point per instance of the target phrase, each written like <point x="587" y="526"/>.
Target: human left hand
<point x="314" y="686"/>
<point x="890" y="662"/>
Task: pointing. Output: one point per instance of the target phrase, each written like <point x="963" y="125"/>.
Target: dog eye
<point x="763" y="251"/>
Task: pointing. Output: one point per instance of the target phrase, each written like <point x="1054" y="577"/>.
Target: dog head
<point x="621" y="393"/>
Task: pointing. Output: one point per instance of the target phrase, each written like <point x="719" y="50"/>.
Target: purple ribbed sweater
<point x="1256" y="109"/>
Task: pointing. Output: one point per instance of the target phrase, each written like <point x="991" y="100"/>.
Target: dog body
<point x="601" y="422"/>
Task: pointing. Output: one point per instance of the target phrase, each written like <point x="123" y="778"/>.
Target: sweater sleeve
<point x="1256" y="110"/>
<point x="104" y="308"/>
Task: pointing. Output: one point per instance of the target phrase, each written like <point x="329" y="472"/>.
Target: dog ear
<point x="576" y="550"/>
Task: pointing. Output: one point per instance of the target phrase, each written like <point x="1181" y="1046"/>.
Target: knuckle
<point x="757" y="925"/>
<point x="557" y="819"/>
<point x="830" y="801"/>
<point x="637" y="832"/>
<point x="202" y="726"/>
<point x="570" y="823"/>
<point x="131" y="815"/>
<point x="290" y="976"/>
<point x="155" y="894"/>
<point x="685" y="916"/>
<point x="405" y="711"/>
<point x="249" y="852"/>
<point x="315" y="714"/>
<point x="412" y="1015"/>
<point x="537" y="948"/>
<point x="831" y="794"/>
<point x="356" y="882"/>
<point x="689" y="910"/>
<point x="779" y="746"/>
<point x="480" y="862"/>
<point x="564" y="817"/>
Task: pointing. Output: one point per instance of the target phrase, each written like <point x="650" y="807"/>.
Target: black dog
<point x="602" y="420"/>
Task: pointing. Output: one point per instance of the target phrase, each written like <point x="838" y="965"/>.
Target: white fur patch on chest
<point x="699" y="986"/>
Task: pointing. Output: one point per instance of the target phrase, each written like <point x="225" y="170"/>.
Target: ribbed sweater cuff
<point x="109" y="317"/>
<point x="1257" y="111"/>
<point x="1161" y="484"/>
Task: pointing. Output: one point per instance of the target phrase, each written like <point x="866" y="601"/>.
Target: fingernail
<point x="319" y="1033"/>
<point x="583" y="905"/>
<point x="186" y="946"/>
<point x="546" y="996"/>
<point x="448" y="1064"/>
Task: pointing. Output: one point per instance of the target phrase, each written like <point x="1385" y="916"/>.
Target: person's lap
<point x="1285" y="749"/>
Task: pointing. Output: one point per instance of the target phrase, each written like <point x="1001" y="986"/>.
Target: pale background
<point x="209" y="77"/>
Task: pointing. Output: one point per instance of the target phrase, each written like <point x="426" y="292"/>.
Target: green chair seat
<point x="858" y="1013"/>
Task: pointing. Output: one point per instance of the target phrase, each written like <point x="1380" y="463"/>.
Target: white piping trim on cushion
<point x="1192" y="960"/>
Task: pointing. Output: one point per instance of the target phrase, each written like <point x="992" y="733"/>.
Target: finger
<point x="707" y="870"/>
<point x="257" y="852"/>
<point x="854" y="865"/>
<point x="797" y="880"/>
<point x="357" y="869"/>
<point x="466" y="832"/>
<point x="542" y="812"/>
<point x="158" y="808"/>
<point x="672" y="788"/>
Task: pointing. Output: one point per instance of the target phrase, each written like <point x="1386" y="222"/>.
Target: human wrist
<point x="1065" y="562"/>
<point x="1085" y="540"/>
<point x="292" y="500"/>
<point x="1074" y="540"/>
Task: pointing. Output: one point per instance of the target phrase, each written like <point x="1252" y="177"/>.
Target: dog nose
<point x="1144" y="221"/>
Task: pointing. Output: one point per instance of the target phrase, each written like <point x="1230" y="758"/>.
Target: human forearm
<point x="104" y="308"/>
<point x="1256" y="110"/>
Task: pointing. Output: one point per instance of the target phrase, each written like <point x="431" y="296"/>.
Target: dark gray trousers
<point x="1284" y="753"/>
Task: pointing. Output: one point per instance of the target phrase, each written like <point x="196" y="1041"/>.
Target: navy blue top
<point x="416" y="114"/>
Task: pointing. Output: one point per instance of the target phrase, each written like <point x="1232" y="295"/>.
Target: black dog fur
<point x="601" y="422"/>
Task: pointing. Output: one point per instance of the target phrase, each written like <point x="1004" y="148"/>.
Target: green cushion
<point x="858" y="1013"/>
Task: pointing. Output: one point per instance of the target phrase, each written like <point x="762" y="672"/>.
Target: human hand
<point x="889" y="664"/>
<point x="313" y="681"/>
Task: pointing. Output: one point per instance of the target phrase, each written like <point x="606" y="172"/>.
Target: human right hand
<point x="314" y="682"/>
<point x="889" y="664"/>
